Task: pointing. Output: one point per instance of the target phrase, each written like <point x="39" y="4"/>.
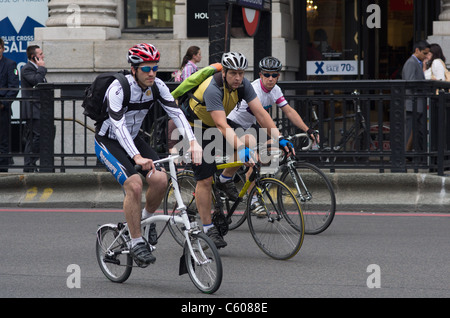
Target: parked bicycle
<point x="278" y="231"/>
<point x="200" y="258"/>
<point x="357" y="138"/>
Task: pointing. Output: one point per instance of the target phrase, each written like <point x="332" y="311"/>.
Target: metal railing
<point x="361" y="125"/>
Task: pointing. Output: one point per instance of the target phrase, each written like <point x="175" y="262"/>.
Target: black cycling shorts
<point x="117" y="161"/>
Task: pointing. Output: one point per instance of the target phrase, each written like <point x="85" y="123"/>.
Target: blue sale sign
<point x="18" y="18"/>
<point x="327" y="68"/>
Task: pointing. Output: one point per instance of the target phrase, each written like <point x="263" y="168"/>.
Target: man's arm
<point x="13" y="80"/>
<point x="295" y="118"/>
<point x="220" y="120"/>
<point x="263" y="118"/>
<point x="33" y="76"/>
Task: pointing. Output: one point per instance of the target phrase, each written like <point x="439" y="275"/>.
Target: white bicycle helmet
<point x="270" y="64"/>
<point x="234" y="61"/>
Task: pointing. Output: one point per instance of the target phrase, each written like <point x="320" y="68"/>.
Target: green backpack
<point x="187" y="88"/>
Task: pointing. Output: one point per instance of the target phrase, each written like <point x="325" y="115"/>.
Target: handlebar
<point x="158" y="163"/>
<point x="301" y="135"/>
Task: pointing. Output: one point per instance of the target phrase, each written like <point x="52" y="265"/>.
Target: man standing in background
<point x="413" y="71"/>
<point x="32" y="74"/>
<point x="9" y="78"/>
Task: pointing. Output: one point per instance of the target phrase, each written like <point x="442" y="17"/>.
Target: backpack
<point x="175" y="77"/>
<point x="186" y="89"/>
<point x="94" y="95"/>
<point x="190" y="84"/>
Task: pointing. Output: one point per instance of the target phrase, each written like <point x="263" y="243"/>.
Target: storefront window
<point x="333" y="38"/>
<point x="144" y="14"/>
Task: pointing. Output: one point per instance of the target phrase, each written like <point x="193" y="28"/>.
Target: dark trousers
<point x="5" y="127"/>
<point x="33" y="136"/>
<point x="416" y="130"/>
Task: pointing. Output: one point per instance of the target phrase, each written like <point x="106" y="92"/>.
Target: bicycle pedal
<point x="108" y="259"/>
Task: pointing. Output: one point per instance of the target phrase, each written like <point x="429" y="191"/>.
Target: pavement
<point x="355" y="191"/>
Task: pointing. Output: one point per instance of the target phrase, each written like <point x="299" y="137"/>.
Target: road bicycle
<point x="279" y="232"/>
<point x="356" y="138"/>
<point x="200" y="258"/>
<point x="310" y="185"/>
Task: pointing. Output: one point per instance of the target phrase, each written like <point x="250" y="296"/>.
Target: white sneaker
<point x="258" y="210"/>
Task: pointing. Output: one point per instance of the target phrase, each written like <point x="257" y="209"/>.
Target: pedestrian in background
<point x="9" y="78"/>
<point x="413" y="71"/>
<point x="435" y="64"/>
<point x="192" y="57"/>
<point x="32" y="74"/>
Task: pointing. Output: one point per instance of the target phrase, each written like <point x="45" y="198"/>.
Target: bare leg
<point x="157" y="186"/>
<point x="204" y="200"/>
<point x="132" y="204"/>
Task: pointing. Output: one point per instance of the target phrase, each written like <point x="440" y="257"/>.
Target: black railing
<point x="361" y="125"/>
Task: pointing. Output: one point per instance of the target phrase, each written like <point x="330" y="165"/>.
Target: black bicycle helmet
<point x="270" y="64"/>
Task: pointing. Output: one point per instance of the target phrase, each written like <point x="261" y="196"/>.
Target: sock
<point x="224" y="179"/>
<point x="254" y="199"/>
<point x="135" y="241"/>
<point x="146" y="214"/>
<point x="207" y="227"/>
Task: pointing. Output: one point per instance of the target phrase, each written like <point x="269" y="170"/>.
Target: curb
<point x="367" y="192"/>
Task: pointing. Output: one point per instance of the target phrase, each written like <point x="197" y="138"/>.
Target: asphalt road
<point x="360" y="255"/>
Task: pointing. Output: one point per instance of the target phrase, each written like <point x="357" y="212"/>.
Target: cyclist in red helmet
<point x="119" y="146"/>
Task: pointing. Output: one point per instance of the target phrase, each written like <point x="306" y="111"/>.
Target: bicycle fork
<point x="296" y="178"/>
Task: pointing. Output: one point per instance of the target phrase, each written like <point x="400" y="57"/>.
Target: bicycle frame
<point x="254" y="176"/>
<point x="182" y="219"/>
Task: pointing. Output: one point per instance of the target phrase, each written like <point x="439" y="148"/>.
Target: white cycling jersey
<point x="123" y="123"/>
<point x="243" y="116"/>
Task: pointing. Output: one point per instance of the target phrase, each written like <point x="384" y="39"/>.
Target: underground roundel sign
<point x="251" y="20"/>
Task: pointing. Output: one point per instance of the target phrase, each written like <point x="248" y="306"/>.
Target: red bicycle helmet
<point x="143" y="52"/>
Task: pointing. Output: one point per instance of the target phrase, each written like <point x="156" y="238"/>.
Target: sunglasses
<point x="147" y="69"/>
<point x="269" y="75"/>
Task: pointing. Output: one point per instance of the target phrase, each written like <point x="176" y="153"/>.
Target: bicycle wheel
<point x="280" y="233"/>
<point x="206" y="274"/>
<point x="114" y="264"/>
<point x="187" y="184"/>
<point x="315" y="193"/>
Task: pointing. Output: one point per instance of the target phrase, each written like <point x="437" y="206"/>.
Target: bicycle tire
<point x="280" y="233"/>
<point x="318" y="200"/>
<point x="187" y="184"/>
<point x="207" y="276"/>
<point x="117" y="268"/>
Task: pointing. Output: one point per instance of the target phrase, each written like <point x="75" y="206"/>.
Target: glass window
<point x="332" y="39"/>
<point x="144" y="14"/>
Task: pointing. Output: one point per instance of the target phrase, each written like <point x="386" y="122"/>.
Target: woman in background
<point x="435" y="65"/>
<point x="190" y="60"/>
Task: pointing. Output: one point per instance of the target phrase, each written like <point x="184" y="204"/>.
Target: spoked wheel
<point x="206" y="274"/>
<point x="315" y="193"/>
<point x="279" y="231"/>
<point x="187" y="184"/>
<point x="115" y="265"/>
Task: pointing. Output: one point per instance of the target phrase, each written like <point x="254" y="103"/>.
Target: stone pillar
<point x="441" y="30"/>
<point x="80" y="20"/>
<point x="179" y="20"/>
